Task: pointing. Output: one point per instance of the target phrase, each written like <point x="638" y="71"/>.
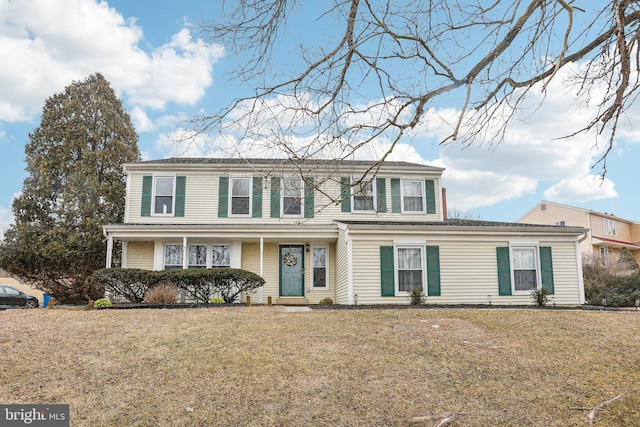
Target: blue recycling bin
<point x="45" y="300"/>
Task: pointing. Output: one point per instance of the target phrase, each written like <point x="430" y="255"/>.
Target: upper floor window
<point x="292" y="196"/>
<point x="524" y="269"/>
<point x="609" y="226"/>
<point x="364" y="196"/>
<point x="560" y="223"/>
<point x="163" y="196"/>
<point x="240" y="196"/>
<point x="412" y="196"/>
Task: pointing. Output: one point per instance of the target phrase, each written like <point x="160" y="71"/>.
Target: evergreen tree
<point x="76" y="183"/>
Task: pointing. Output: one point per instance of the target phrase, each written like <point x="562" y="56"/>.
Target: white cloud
<point x="140" y="119"/>
<point x="581" y="189"/>
<point x="76" y="38"/>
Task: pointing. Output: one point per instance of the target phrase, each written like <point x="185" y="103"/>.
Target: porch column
<point x="261" y="264"/>
<point x="109" y="251"/>
<point x="185" y="253"/>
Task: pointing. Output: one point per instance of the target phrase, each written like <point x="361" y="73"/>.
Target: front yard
<point x="262" y="366"/>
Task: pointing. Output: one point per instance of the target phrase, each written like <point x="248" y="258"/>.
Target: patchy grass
<point x="261" y="366"/>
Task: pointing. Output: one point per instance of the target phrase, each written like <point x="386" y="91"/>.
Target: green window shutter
<point x="275" y="197"/>
<point x="223" y="197"/>
<point x="257" y="197"/>
<point x="429" y="186"/>
<point x="381" y="194"/>
<point x="504" y="270"/>
<point x="396" y="196"/>
<point x="345" y="193"/>
<point x="387" y="281"/>
<point x="147" y="184"/>
<point x="309" y="189"/>
<point x="181" y="186"/>
<point x="433" y="271"/>
<point x="546" y="269"/>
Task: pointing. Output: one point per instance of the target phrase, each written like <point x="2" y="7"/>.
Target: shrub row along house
<point x="316" y="229"/>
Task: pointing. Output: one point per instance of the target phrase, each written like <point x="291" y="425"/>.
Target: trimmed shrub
<point x="540" y="297"/>
<point x="417" y="297"/>
<point x="162" y="294"/>
<point x="326" y="301"/>
<point x="216" y="300"/>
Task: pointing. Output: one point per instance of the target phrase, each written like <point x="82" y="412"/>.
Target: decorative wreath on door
<point x="289" y="259"/>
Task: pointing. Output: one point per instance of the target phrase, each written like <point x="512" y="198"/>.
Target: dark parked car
<point x="13" y="298"/>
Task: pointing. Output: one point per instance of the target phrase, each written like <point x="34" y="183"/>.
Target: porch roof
<point x="461" y="226"/>
<point x="245" y="232"/>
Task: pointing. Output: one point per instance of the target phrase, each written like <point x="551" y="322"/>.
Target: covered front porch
<point x="298" y="264"/>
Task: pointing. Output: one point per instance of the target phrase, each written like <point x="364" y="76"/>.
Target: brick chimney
<point x="444" y="203"/>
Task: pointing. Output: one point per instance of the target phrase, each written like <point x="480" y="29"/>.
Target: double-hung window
<point x="609" y="226"/>
<point x="320" y="267"/>
<point x="412" y="196"/>
<point x="410" y="268"/>
<point x="604" y="255"/>
<point x="292" y="196"/>
<point x="525" y="267"/>
<point x="364" y="196"/>
<point x="163" y="196"/>
<point x="240" y="196"/>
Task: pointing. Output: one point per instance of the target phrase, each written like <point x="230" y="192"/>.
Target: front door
<point x="291" y="270"/>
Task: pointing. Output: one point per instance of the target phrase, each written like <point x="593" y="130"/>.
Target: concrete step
<point x="292" y="301"/>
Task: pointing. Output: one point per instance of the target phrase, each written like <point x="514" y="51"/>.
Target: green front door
<point x="291" y="271"/>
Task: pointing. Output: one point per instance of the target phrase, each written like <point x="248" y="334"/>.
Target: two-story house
<point x="607" y="234"/>
<point x="317" y="229"/>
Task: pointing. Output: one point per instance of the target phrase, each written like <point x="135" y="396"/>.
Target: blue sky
<point x="151" y="53"/>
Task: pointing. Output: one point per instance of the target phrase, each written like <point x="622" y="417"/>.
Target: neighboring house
<point x="607" y="234"/>
<point x="315" y="229"/>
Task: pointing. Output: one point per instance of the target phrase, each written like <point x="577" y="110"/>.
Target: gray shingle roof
<point x="262" y="161"/>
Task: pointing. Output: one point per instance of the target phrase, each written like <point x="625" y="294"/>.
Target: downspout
<point x="350" y="293"/>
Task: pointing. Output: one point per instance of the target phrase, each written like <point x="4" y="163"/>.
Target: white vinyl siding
<point x="140" y="255"/>
<point x="201" y="203"/>
<point x="468" y="273"/>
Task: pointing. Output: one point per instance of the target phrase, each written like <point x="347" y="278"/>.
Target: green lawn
<point x="261" y="366"/>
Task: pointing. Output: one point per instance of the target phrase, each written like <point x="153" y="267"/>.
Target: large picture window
<point x="410" y="269"/>
<point x="163" y="197"/>
<point x="320" y="267"/>
<point x="292" y="196"/>
<point x="199" y="256"/>
<point x="364" y="196"/>
<point x="525" y="265"/>
<point x="412" y="196"/>
<point x="240" y="196"/>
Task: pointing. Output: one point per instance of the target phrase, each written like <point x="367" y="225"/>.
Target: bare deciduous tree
<point x="387" y="64"/>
